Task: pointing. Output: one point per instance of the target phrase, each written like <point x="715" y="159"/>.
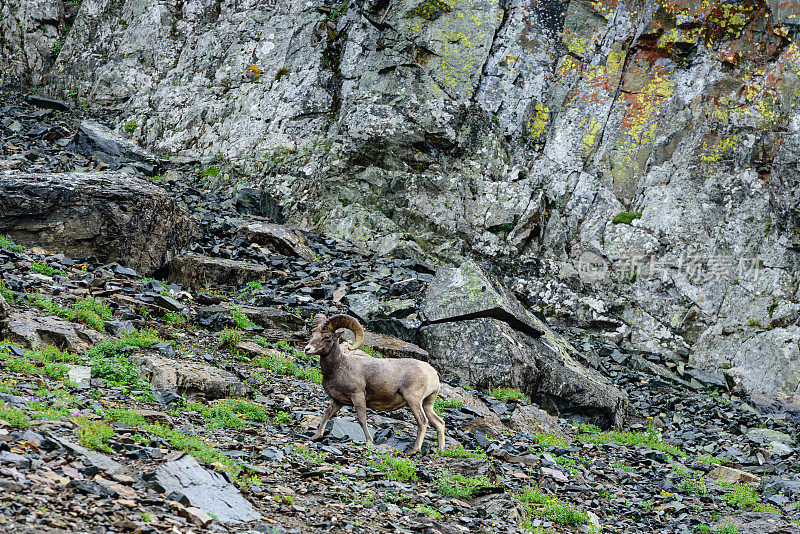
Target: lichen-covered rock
<point x="446" y="129"/>
<point x="200" y="272"/>
<point x="112" y="216"/>
<point x="35" y="331"/>
<point x="30" y="30"/>
<point x="191" y="378"/>
<point x="286" y="241"/>
<point x="478" y="333"/>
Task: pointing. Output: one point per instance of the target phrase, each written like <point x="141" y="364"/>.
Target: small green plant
<point x="694" y="486"/>
<point x="55" y="50"/>
<point x="715" y="460"/>
<point x="14" y="417"/>
<point x="549" y="439"/>
<point x="540" y="504"/>
<point x="459" y="486"/>
<point x="110" y="362"/>
<point x="626" y="217"/>
<point x="649" y="439"/>
<point x="229" y="413"/>
<point x="702" y="528"/>
<point x="285" y="364"/>
<point x="372" y="352"/>
<point x="231" y="337"/>
<point x="125" y="416"/>
<point x="440" y="405"/>
<point x="212" y="172"/>
<point x="728" y="527"/>
<point x="8" y="244"/>
<point x="94" y="434"/>
<point x="429" y="511"/>
<point x="303" y="451"/>
<point x="281" y="72"/>
<point x="740" y="496"/>
<point x="5" y="292"/>
<point x="240" y="319"/>
<point x="43" y="268"/>
<point x="130" y="126"/>
<point x="283" y="418"/>
<point x="283" y="499"/>
<point x="175" y="318"/>
<point x="619" y="465"/>
<point x="754" y="322"/>
<point x="458" y="451"/>
<point x="506" y="394"/>
<point x="398" y="469"/>
<point x="147" y="517"/>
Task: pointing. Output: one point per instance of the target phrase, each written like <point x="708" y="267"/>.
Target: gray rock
<point x="80" y="374"/>
<point x="5" y="311"/>
<point x="486" y="353"/>
<point x="112" y="216"/>
<point x="273" y="318"/>
<point x="394" y="348"/>
<point x="93" y="139"/>
<point x="18" y="460"/>
<point x="764" y="523"/>
<point x="199" y="272"/>
<point x="765" y="436"/>
<point x="348" y="431"/>
<point x="210" y="491"/>
<point x="191" y="378"/>
<point x="168" y="303"/>
<point x="468" y="292"/>
<point x="258" y="202"/>
<point x="287" y="241"/>
<point x="33" y="330"/>
<point x="30" y="29"/>
<point x="97" y="459"/>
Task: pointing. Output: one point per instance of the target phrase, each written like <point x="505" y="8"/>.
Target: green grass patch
<point x="43" y="268"/>
<point x="283" y="418"/>
<point x="130" y="126"/>
<point x="459" y="486"/>
<point x="398" y="469"/>
<point x="112" y="364"/>
<point x="231" y="337"/>
<point x="285" y="364"/>
<point x="240" y="319"/>
<point x="649" y="439"/>
<point x="14" y="416"/>
<point x="539" y="504"/>
<point x="739" y="495"/>
<point x="429" y="511"/>
<point x="229" y="413"/>
<point x="440" y="405"/>
<point x="8" y="244"/>
<point x="125" y="416"/>
<point x="729" y="527"/>
<point x="211" y="171"/>
<point x="48" y="360"/>
<point x="626" y="217"/>
<point x="175" y="318"/>
<point x="305" y="452"/>
<point x="549" y="439"/>
<point x="713" y="460"/>
<point x="506" y="394"/>
<point x="94" y="434"/>
<point x="694" y="486"/>
<point x="6" y="292"/>
<point x="458" y="451"/>
<point x="89" y="311"/>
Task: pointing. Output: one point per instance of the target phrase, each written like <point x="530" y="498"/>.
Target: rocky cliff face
<point x="653" y="143"/>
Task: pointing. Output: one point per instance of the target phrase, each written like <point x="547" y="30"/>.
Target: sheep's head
<point x="326" y="333"/>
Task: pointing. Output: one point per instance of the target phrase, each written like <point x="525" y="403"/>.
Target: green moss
<point x="210" y="172"/>
<point x="130" y="126"/>
<point x="626" y="217"/>
<point x="281" y="72"/>
<point x="431" y="9"/>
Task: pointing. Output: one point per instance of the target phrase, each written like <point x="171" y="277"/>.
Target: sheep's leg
<point x="360" y="406"/>
<point x="434" y="418"/>
<point x="330" y="411"/>
<point x="422" y="423"/>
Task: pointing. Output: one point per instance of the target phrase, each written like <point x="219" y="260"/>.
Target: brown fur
<point x="365" y="382"/>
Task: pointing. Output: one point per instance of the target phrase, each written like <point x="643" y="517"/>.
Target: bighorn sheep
<point x="380" y="384"/>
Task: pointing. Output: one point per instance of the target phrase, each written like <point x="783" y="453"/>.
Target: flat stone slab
<point x="209" y="491"/>
<point x="284" y="240"/>
<point x="34" y="330"/>
<point x="189" y="377"/>
<point x="198" y="272"/>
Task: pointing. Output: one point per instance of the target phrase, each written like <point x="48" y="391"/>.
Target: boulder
<point x="764" y="523"/>
<point x="273" y="318"/>
<point x="199" y="272"/>
<point x="206" y="490"/>
<point x="95" y="140"/>
<point x="468" y="292"/>
<point x="192" y="378"/>
<point x="392" y="347"/>
<point x="33" y="330"/>
<point x="394" y="317"/>
<point x="733" y="476"/>
<point x="113" y="216"/>
<point x="287" y="241"/>
<point x="478" y="334"/>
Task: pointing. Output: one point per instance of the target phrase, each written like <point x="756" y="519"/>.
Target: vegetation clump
<point x="649" y="439"/>
<point x="398" y="469"/>
<point x="90" y="311"/>
<point x="506" y="394"/>
<point x="456" y="485"/>
<point x="626" y="217"/>
<point x="8" y="244"/>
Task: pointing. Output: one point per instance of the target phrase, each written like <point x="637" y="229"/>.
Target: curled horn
<point x="345" y="321"/>
<point x="319" y="320"/>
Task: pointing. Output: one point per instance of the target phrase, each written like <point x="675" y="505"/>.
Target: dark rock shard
<point x="93" y="139"/>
